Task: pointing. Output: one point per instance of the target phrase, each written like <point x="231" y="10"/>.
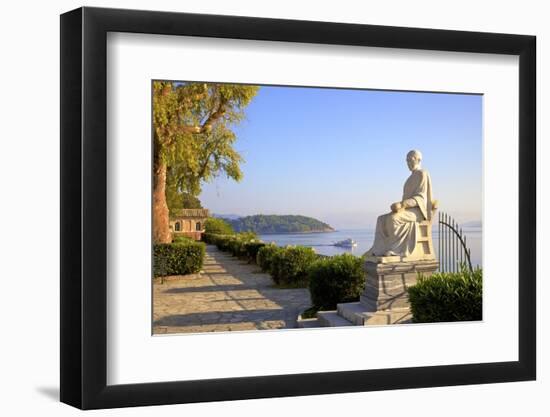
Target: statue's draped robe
<point x="396" y="232"/>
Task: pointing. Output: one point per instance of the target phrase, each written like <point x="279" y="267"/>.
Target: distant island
<point x="226" y="216"/>
<point x="270" y="224"/>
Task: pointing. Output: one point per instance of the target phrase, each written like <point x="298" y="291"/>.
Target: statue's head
<point x="414" y="158"/>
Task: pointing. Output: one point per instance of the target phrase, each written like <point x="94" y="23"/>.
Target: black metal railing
<point x="452" y="248"/>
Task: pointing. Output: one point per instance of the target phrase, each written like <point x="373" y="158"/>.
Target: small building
<point x="189" y="222"/>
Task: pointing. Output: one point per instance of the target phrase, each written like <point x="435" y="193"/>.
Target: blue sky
<point x="339" y="155"/>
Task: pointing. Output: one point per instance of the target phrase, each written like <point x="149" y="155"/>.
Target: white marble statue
<point x="396" y="232"/>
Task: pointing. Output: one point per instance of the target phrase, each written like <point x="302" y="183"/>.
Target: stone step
<point x="353" y="312"/>
<point x="361" y="315"/>
<point x="332" y="319"/>
<point x="308" y="323"/>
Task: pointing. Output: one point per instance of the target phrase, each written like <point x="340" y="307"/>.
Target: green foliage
<point x="223" y="242"/>
<point x="237" y="247"/>
<point x="191" y="130"/>
<point x="252" y="249"/>
<point x="290" y="265"/>
<point x="279" y="224"/>
<point x="178" y="200"/>
<point x="338" y="279"/>
<point x="212" y="154"/>
<point x="265" y="256"/>
<point x="287" y="266"/>
<point x="447" y="297"/>
<point x="214" y="238"/>
<point x="190" y="201"/>
<point x="217" y="226"/>
<point x="247" y="236"/>
<point x="209" y="238"/>
<point x="177" y="258"/>
<point x="182" y="239"/>
<point x="238" y="244"/>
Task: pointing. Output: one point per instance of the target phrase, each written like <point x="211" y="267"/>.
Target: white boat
<point x="347" y="243"/>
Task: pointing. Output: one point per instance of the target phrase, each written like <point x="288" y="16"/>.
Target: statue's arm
<point x="401" y="205"/>
<point x="409" y="203"/>
<point x="412" y="202"/>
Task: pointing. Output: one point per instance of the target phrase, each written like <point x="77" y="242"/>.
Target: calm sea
<point x="323" y="242"/>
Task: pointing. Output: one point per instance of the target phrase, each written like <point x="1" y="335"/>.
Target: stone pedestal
<point x="385" y="299"/>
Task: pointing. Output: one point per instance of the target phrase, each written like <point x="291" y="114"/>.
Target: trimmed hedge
<point x="224" y="243"/>
<point x="217" y="239"/>
<point x="252" y="249"/>
<point x="210" y="238"/>
<point x="177" y="258"/>
<point x="338" y="279"/>
<point x="265" y="255"/>
<point x="242" y="245"/>
<point x="287" y="266"/>
<point x="182" y="239"/>
<point x="291" y="265"/>
<point x="447" y="297"/>
<point x="236" y="247"/>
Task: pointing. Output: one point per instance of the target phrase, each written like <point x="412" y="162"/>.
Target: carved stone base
<point x="386" y="283"/>
<point x="385" y="299"/>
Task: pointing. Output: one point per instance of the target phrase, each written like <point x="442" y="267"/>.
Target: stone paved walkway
<point x="228" y="295"/>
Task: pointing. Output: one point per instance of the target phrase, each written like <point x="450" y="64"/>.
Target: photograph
<point x="318" y="205"/>
<point x="296" y="207"/>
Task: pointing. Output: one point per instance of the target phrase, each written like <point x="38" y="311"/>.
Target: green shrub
<point x="447" y="297"/>
<point x="337" y="279"/>
<point x="265" y="256"/>
<point x="290" y="265"/>
<point x="209" y="238"/>
<point x="182" y="239"/>
<point x="223" y="242"/>
<point x="237" y="247"/>
<point x="235" y="243"/>
<point x="177" y="258"/>
<point x="218" y="226"/>
<point x="252" y="248"/>
<point x="247" y="236"/>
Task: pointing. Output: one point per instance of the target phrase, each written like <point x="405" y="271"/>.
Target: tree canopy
<point x="210" y="155"/>
<point x="218" y="226"/>
<point x="192" y="127"/>
<point x="177" y="200"/>
<point x="193" y="140"/>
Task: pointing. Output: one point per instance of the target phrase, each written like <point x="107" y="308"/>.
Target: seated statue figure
<point x="406" y="231"/>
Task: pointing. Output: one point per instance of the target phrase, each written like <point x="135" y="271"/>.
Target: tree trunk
<point x="161" y="220"/>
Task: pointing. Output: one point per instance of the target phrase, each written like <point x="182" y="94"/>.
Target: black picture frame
<point x="84" y="207"/>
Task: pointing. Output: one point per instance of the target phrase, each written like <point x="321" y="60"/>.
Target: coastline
<point x="297" y="233"/>
<point x="323" y="242"/>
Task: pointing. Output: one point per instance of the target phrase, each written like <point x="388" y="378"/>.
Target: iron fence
<point x="452" y="249"/>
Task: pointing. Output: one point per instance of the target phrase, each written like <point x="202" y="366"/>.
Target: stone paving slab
<point x="227" y="295"/>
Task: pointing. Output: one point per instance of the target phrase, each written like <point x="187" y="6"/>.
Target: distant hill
<point x="264" y="224"/>
<point x="226" y="216"/>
